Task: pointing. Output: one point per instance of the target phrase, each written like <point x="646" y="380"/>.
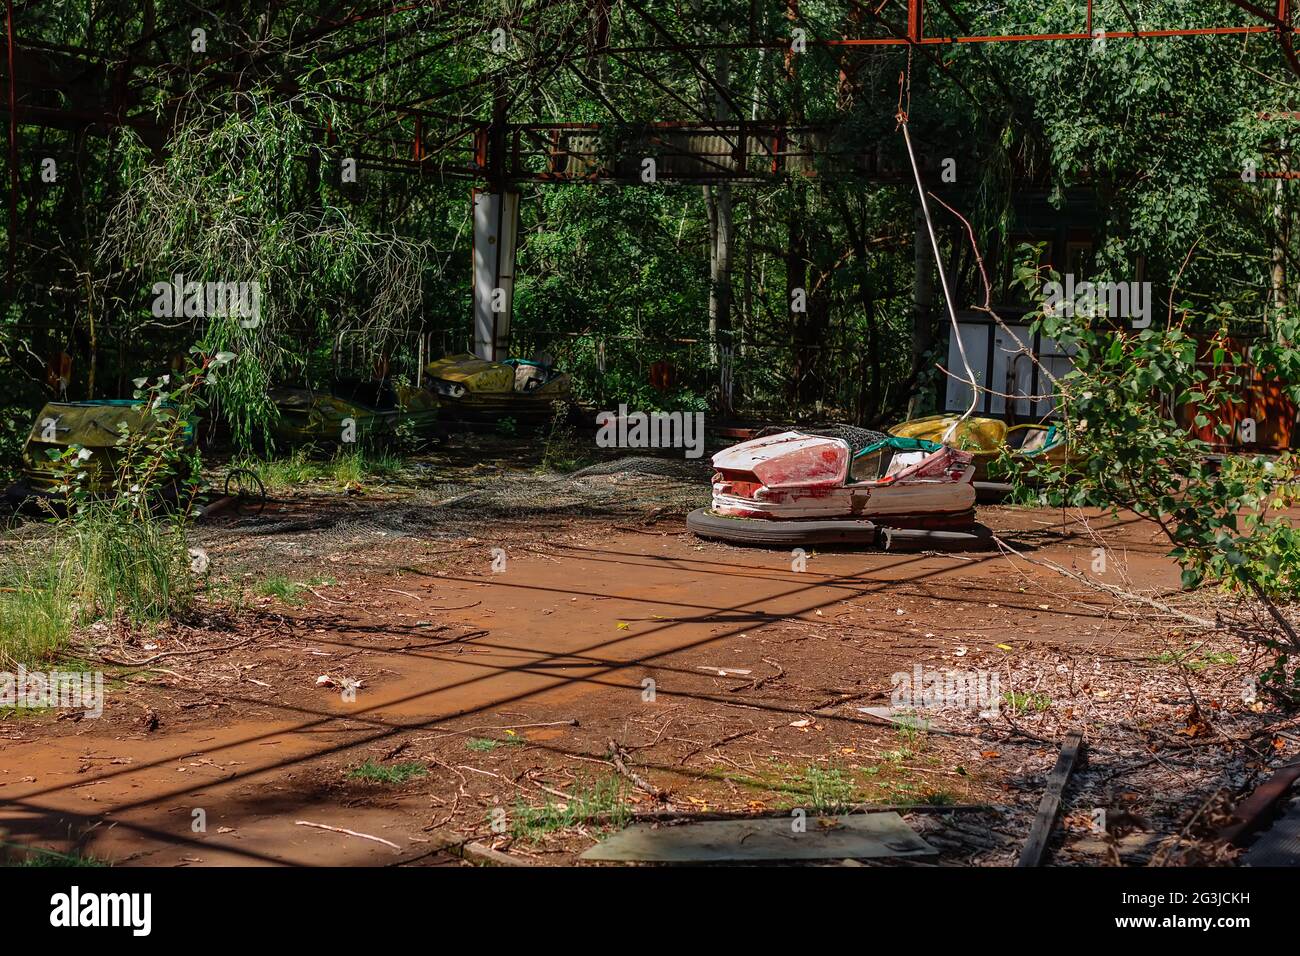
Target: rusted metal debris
<point x="1254" y="810"/>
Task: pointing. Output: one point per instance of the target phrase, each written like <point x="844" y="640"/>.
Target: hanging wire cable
<point x="943" y="275"/>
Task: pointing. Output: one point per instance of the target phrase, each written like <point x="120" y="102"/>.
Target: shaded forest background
<point x="222" y="160"/>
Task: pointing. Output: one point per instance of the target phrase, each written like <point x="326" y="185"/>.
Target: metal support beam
<point x="1278" y="21"/>
<point x="496" y="225"/>
<point x="1284" y="32"/>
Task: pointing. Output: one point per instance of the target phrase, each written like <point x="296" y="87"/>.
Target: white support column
<point x="496" y="225"/>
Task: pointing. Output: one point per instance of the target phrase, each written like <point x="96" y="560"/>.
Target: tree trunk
<point x="796" y="287"/>
<point x="922" y="304"/>
<point x="717" y="200"/>
<point x="721" y="240"/>
<point x="869" y="390"/>
<point x="1278" y="272"/>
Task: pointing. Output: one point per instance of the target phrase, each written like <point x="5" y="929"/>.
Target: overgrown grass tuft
<point x="21" y="856"/>
<point x="278" y="586"/>
<point x="128" y="565"/>
<point x="1186" y="658"/>
<point x="829" y="790"/>
<point x="603" y="801"/>
<point x="344" y="467"/>
<point x="1019" y="703"/>
<point x="36" y="611"/>
<point x="564" y="450"/>
<point x="359" y="465"/>
<point x="101" y="564"/>
<point x="488" y="744"/>
<point x="296" y="468"/>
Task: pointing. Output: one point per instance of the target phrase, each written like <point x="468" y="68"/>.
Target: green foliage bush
<point x="119" y="552"/>
<point x="1225" y="521"/>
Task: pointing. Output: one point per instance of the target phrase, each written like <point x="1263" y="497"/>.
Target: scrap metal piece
<point x="1251" y="813"/>
<point x="1280" y="844"/>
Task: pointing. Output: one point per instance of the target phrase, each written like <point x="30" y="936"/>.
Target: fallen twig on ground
<point x="717" y="743"/>
<point x="188" y="653"/>
<point x="363" y="836"/>
<point x="325" y="599"/>
<point x="616" y="757"/>
<point x="1107" y="588"/>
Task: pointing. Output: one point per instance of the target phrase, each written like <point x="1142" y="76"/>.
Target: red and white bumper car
<point x="795" y="488"/>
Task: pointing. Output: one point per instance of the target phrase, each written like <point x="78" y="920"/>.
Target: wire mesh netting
<point x="855" y="437"/>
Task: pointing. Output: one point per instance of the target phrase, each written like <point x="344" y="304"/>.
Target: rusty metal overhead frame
<point x="914" y="33"/>
<point x="707" y="151"/>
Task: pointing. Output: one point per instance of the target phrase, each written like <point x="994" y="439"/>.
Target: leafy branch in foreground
<point x="1130" y="406"/>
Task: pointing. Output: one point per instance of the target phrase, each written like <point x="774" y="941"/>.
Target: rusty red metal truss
<point x="707" y="152"/>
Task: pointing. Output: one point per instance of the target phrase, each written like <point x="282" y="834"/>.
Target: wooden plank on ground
<point x="474" y="852"/>
<point x="869" y="836"/>
<point x="1041" y="831"/>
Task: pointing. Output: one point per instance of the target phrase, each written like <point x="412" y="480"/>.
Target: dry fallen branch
<point x="987" y="307"/>
<point x="1106" y="588"/>
<point x="616" y="757"/>
<point x="363" y="836"/>
<point x="717" y="743"/>
<point x="189" y="653"/>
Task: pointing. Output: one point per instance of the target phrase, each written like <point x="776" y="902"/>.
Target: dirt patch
<point x="512" y="667"/>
